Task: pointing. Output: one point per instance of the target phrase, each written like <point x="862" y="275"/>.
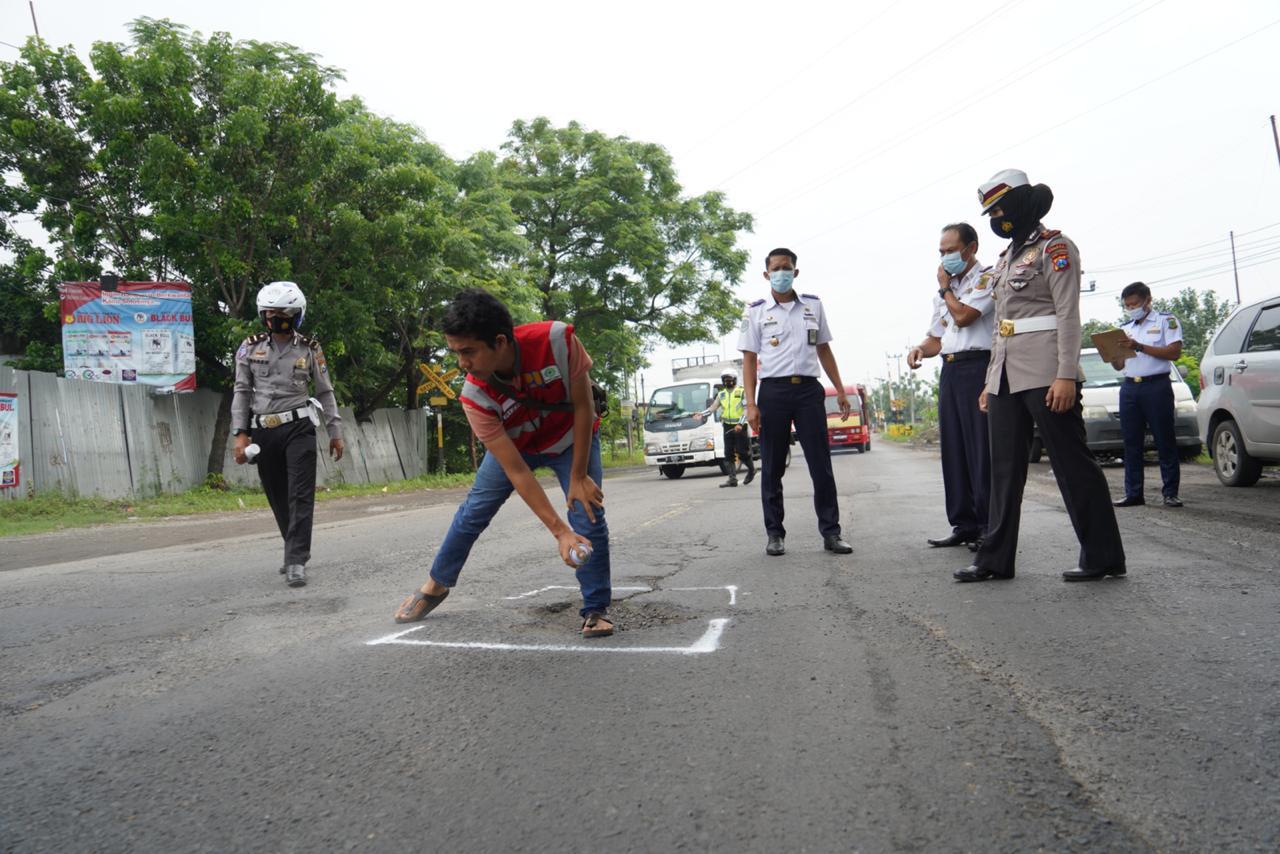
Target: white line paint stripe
<point x="674" y="511"/>
<point x="732" y="588"/>
<point x="569" y="587"/>
<point x="709" y="642"/>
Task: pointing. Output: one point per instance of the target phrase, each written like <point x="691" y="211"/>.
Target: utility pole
<point x="1275" y="136"/>
<point x="1235" y="272"/>
<point x="31" y="4"/>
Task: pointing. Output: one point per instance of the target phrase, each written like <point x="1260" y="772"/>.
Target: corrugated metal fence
<point x="115" y="441"/>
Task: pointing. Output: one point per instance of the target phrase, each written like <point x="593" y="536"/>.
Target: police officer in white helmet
<point x="272" y="409"/>
<point x="731" y="403"/>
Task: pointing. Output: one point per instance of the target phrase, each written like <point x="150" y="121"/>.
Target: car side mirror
<point x="1182" y="371"/>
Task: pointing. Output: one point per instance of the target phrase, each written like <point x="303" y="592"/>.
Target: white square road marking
<point x="709" y="642"/>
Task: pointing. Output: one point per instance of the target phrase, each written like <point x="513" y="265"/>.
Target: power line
<point x="922" y="58"/>
<point x="985" y="158"/>
<point x="1257" y="259"/>
<point x="865" y="25"/>
<point x="1131" y="264"/>
<point x="1191" y="259"/>
<point x="1064" y="50"/>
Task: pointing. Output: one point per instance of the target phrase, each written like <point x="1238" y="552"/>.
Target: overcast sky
<point x="851" y="131"/>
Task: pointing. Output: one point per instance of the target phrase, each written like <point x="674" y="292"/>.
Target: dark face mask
<point x="280" y="324"/>
<point x="729" y="384"/>
<point x="1003" y="227"/>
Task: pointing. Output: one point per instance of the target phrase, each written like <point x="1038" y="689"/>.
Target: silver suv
<point x="1239" y="408"/>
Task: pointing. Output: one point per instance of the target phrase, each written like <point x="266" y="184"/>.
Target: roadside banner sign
<point x="140" y="333"/>
<point x="9" y="475"/>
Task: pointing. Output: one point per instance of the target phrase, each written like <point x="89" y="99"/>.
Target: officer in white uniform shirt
<point x="960" y="331"/>
<point x="784" y="341"/>
<point x="1146" y="397"/>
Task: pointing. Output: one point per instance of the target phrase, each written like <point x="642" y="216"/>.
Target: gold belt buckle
<point x="950" y="357"/>
<point x="1137" y="379"/>
<point x="1006" y="328"/>
<point x="795" y="381"/>
<point x="271" y="421"/>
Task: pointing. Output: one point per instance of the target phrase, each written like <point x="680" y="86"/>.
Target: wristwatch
<point x="1137" y="348"/>
<point x="942" y="292"/>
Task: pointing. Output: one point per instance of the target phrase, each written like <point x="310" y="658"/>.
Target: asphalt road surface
<point x="162" y="690"/>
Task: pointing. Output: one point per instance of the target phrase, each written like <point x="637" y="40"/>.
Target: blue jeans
<point x="492" y="488"/>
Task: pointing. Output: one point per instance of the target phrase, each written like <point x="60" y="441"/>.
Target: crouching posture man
<point x="528" y="398"/>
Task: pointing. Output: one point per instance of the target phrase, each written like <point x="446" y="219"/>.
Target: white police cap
<point x="1001" y="182"/>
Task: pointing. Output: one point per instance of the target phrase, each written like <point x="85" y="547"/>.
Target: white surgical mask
<point x="1136" y="313"/>
<point x="781" y="280"/>
<point x="953" y="263"/>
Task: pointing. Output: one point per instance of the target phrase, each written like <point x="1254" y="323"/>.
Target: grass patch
<point x="622" y="460"/>
<point x="54" y="512"/>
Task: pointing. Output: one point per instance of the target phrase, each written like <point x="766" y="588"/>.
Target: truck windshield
<point x="673" y="405"/>
<point x="1097" y="373"/>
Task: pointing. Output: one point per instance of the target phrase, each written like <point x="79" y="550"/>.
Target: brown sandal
<point x="418" y="605"/>
<point x="596" y="625"/>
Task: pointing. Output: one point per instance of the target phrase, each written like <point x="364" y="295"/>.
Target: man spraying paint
<point x="528" y="399"/>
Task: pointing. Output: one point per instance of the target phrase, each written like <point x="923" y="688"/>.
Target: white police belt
<point x="1043" y="323"/>
<point x="275" y="419"/>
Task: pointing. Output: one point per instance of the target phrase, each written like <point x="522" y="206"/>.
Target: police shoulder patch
<point x="1173" y="323"/>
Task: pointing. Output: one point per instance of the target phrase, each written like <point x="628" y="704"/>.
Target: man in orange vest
<point x="528" y="398"/>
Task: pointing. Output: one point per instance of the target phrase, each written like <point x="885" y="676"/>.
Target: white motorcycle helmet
<point x="285" y="296"/>
<point x="729" y="372"/>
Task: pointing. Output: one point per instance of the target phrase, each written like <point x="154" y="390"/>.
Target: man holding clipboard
<point x="1153" y="340"/>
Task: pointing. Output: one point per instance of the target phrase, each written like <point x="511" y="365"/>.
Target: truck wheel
<point x="1233" y="464"/>
<point x="866" y="447"/>
<point x="672" y="472"/>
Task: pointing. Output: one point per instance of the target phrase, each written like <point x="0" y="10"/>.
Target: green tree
<point x="615" y="248"/>
<point x="1089" y="327"/>
<point x="1200" y="315"/>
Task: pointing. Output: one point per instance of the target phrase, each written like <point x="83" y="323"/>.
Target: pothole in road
<point x="625" y="614"/>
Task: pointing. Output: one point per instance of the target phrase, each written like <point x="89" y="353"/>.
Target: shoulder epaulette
<point x="257" y="338"/>
<point x="313" y="343"/>
<point x="812" y="296"/>
<point x="987" y="269"/>
<point x="756" y="303"/>
<point x="1049" y="234"/>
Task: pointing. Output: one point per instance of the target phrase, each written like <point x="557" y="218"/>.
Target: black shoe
<point x="295" y="575"/>
<point x="729" y="483"/>
<point x="955" y="539"/>
<point x="1090" y="574"/>
<point x="751" y="475"/>
<point x="977" y="573"/>
<point x="775" y="547"/>
<point x="1130" y="501"/>
<point x="976" y="545"/>
<point x="837" y="545"/>
<point x="1172" y="501"/>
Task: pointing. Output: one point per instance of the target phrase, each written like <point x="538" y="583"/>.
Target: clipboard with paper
<point x="1113" y="345"/>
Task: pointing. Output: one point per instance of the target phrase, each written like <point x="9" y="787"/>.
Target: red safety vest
<point x="543" y="374"/>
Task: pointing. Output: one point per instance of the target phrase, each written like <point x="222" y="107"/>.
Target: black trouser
<point x="781" y="404"/>
<point x="966" y="453"/>
<point x="287" y="469"/>
<point x="1012" y="418"/>
<point x="736" y="442"/>
<point x="1142" y="405"/>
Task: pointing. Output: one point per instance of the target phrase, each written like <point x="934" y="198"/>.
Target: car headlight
<point x="1185" y="407"/>
<point x="1096" y="413"/>
<point x="651" y="448"/>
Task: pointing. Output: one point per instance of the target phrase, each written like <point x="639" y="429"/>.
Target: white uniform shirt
<point x="1158" y="329"/>
<point x="785" y="335"/>
<point x="974" y="290"/>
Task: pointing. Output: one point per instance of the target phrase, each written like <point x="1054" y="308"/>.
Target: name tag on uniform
<point x="813" y="336"/>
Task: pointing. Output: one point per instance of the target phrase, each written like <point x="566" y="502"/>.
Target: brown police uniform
<point x="1036" y="341"/>
<point x="272" y="402"/>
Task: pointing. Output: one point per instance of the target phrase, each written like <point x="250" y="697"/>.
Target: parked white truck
<point x="675" y="438"/>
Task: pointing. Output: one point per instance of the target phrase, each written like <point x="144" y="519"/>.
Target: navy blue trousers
<point x="966" y="453"/>
<point x="781" y="404"/>
<point x="1149" y="405"/>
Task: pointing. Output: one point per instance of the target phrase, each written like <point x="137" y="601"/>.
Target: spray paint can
<point x="580" y="554"/>
<point x="251" y="453"/>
